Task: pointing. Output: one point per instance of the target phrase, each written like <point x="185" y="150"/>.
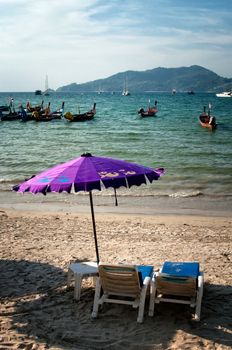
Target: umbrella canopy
<point x="88" y="173"/>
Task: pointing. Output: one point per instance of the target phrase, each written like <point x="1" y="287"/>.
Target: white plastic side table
<point x="80" y="271"/>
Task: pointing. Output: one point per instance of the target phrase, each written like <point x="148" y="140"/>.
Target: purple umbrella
<point x="88" y="173"/>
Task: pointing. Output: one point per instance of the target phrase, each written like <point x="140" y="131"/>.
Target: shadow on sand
<point x="38" y="312"/>
<point x="22" y="278"/>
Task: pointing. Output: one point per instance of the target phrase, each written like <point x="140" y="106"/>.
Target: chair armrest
<point x="146" y="281"/>
<point x="153" y="277"/>
<point x="200" y="280"/>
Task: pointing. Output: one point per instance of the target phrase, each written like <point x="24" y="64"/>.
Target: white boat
<point x="125" y="91"/>
<point x="225" y="94"/>
<point x="100" y="91"/>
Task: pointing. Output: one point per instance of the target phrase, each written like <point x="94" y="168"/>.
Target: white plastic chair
<point x="122" y="284"/>
<point x="178" y="282"/>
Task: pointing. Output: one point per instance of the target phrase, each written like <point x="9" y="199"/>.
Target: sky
<point x="76" y="41"/>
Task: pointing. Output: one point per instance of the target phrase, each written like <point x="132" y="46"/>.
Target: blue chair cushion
<point x="181" y="269"/>
<point x="144" y="271"/>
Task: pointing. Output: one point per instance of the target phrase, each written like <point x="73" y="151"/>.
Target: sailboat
<point x="99" y="90"/>
<point x="46" y="92"/>
<point x="125" y="91"/>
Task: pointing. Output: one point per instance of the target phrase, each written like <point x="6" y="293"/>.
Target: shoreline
<point x="127" y="205"/>
<point x="171" y="220"/>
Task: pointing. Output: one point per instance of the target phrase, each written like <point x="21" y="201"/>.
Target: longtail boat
<point x="150" y="112"/>
<point x="206" y="120"/>
<point x="80" y="117"/>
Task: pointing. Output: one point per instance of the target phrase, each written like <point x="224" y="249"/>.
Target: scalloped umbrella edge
<point x="88" y="173"/>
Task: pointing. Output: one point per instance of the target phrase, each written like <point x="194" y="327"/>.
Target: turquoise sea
<point x="198" y="162"/>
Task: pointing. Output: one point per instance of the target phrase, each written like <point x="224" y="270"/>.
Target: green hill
<point x="196" y="78"/>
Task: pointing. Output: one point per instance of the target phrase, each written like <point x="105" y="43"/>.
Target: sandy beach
<point x="39" y="312"/>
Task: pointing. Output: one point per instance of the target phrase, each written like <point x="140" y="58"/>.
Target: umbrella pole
<point x="115" y="195"/>
<point x="94" y="226"/>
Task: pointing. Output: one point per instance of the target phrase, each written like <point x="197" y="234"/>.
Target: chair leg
<point x="96" y="298"/>
<point x="70" y="273"/>
<point x="142" y="304"/>
<point x="152" y="298"/>
<point x="94" y="281"/>
<point x="199" y="298"/>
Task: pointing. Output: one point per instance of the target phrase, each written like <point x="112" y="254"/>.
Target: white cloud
<point x="78" y="41"/>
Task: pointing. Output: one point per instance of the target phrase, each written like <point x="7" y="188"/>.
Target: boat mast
<point x="125" y="89"/>
<point x="46" y="83"/>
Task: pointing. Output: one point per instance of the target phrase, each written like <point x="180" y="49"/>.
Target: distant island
<point x="194" y="78"/>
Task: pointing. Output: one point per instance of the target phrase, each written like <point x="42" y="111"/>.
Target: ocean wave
<point x="2" y="181"/>
<point x="11" y="181"/>
<point x="185" y="194"/>
<point x="132" y="195"/>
